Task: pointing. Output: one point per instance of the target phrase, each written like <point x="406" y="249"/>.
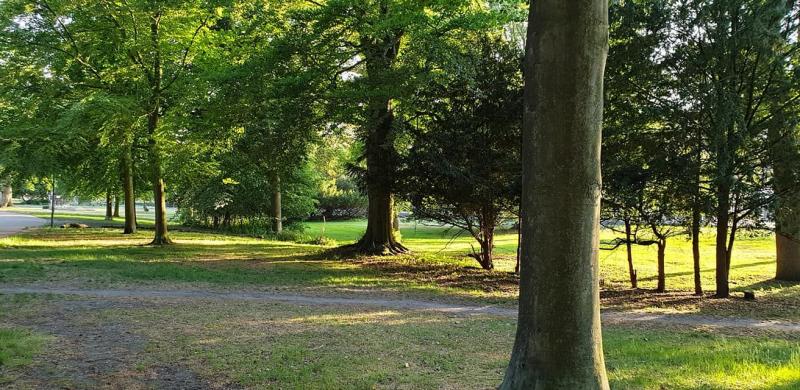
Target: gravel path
<point x="409" y="304"/>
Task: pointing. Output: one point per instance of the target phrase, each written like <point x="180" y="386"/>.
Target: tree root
<point x="376" y="249"/>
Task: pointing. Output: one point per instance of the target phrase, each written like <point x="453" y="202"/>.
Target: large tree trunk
<point x="127" y="187"/>
<point x="629" y="249"/>
<point x="7" y="196"/>
<point x="109" y="206"/>
<point x="559" y="343"/>
<point x="277" y="207"/>
<point x="723" y="222"/>
<point x="161" y="236"/>
<point x="116" y="206"/>
<point x="662" y="275"/>
<point x="380" y="53"/>
<point x="786" y="168"/>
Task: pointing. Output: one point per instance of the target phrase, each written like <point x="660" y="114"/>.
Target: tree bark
<point x="559" y="342"/>
<point x="697" y="212"/>
<point x="723" y="222"/>
<point x="109" y="206"/>
<point x="161" y="236"/>
<point x="662" y="275"/>
<point x="380" y="53"/>
<point x="127" y="187"/>
<point x="629" y="248"/>
<point x="786" y="168"/>
<point x="116" y="206"/>
<point x="696" y="219"/>
<point x="7" y="196"/>
<point x="277" y="208"/>
<point x="486" y="239"/>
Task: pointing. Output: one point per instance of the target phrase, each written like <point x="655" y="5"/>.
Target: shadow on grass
<point x="690" y="273"/>
<point x="100" y="255"/>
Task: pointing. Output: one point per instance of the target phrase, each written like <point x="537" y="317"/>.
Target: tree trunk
<point x="786" y="168"/>
<point x="486" y="239"/>
<point x="380" y="53"/>
<point x="723" y="221"/>
<point x="629" y="248"/>
<point x="116" y="206"/>
<point x="53" y="202"/>
<point x="662" y="275"/>
<point x="7" y="196"/>
<point x="109" y="206"/>
<point x="127" y="188"/>
<point x="161" y="236"/>
<point x="277" y="208"/>
<point x="559" y="342"/>
<point x="696" y="216"/>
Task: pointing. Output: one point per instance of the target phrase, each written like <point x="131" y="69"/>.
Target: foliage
<point x="463" y="167"/>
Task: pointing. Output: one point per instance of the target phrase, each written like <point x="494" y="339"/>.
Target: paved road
<point x="407" y="304"/>
<point x="11" y="223"/>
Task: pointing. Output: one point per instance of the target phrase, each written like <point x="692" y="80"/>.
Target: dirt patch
<point x="92" y="352"/>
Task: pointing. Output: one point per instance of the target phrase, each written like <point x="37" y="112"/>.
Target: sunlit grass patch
<point x="17" y="348"/>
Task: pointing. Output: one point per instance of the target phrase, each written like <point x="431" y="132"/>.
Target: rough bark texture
<point x="559" y="343"/>
<point x="277" y="208"/>
<point x="7" y="197"/>
<point x="116" y="206"/>
<point x="786" y="160"/>
<point x="380" y="238"/>
<point x="109" y="206"/>
<point x="127" y="187"/>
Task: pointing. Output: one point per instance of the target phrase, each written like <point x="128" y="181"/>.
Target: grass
<point x="438" y="267"/>
<point x="17" y="348"/>
<point x="274" y="345"/>
<point x="290" y="346"/>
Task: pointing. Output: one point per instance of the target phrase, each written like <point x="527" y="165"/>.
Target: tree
<point x="786" y="168"/>
<point x="372" y="54"/>
<point x="138" y="49"/>
<point x="463" y="166"/>
<point x="633" y="86"/>
<point x="729" y="59"/>
<point x="559" y="342"/>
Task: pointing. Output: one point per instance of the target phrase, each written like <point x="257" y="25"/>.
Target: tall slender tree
<point x="559" y="342"/>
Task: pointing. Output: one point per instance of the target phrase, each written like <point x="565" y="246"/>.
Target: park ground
<point x="92" y="308"/>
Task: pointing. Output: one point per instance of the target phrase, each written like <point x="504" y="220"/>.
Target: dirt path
<point x="616" y="317"/>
